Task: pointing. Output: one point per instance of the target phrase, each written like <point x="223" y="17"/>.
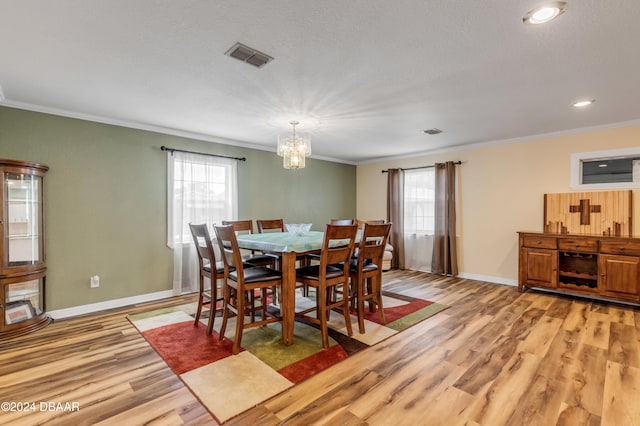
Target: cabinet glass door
<point x="23" y="231"/>
<point x="23" y="301"/>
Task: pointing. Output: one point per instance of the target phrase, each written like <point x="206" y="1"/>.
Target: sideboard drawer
<point x="539" y="241"/>
<point x="631" y="248"/>
<point x="578" y="245"/>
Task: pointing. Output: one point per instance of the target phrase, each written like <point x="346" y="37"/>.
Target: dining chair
<point x="257" y="259"/>
<point x="270" y="225"/>
<point x="342" y="221"/>
<point x="366" y="271"/>
<point x="361" y="222"/>
<point x="277" y="225"/>
<point x="244" y="282"/>
<point x="338" y="222"/>
<point x="332" y="272"/>
<point x="210" y="269"/>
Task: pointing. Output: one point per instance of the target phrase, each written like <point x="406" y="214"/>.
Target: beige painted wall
<point x="501" y="189"/>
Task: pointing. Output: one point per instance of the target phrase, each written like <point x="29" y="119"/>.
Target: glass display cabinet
<point x="22" y="254"/>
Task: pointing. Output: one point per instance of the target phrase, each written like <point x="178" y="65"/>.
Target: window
<point x="202" y="193"/>
<point x="419" y="201"/>
<point x="201" y="189"/>
<point x="613" y="169"/>
<point x="419" y="223"/>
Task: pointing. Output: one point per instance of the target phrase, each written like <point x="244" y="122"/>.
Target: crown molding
<point x="540" y="136"/>
<point x="150" y="128"/>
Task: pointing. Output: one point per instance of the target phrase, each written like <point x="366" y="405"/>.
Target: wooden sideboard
<point x="588" y="265"/>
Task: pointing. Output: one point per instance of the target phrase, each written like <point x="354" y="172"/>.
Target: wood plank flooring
<point x="496" y="357"/>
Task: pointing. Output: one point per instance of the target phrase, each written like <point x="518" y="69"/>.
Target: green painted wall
<point x="105" y="197"/>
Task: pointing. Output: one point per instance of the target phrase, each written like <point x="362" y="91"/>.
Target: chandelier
<point x="294" y="148"/>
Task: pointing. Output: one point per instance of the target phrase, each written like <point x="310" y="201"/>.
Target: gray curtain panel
<point x="395" y="215"/>
<point x="445" y="260"/>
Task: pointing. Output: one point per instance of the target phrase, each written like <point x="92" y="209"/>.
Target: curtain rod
<point x="422" y="167"/>
<point x="172" y="150"/>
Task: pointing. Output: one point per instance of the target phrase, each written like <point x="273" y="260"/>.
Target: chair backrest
<point x="361" y="222"/>
<point x="273" y="225"/>
<point x="229" y="250"/>
<point x="372" y="243"/>
<point x="342" y="222"/>
<point x="204" y="246"/>
<point x="240" y="226"/>
<point x="337" y="245"/>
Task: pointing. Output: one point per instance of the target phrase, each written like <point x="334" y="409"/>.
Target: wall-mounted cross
<point x="585" y="209"/>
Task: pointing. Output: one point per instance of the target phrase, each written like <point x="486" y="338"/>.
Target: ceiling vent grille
<point x="433" y="131"/>
<point x="250" y="56"/>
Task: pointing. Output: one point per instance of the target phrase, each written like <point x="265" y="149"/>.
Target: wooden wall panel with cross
<point x="592" y="213"/>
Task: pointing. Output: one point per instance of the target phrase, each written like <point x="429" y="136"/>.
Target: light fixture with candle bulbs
<point x="294" y="148"/>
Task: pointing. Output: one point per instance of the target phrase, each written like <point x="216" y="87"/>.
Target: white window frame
<point x="576" y="168"/>
<point x="429" y="230"/>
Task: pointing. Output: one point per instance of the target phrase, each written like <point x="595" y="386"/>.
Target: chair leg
<point x="378" y="289"/>
<point x="200" y="301"/>
<point x="322" y="314"/>
<point x="264" y="304"/>
<point x="345" y="308"/>
<point x="237" y="339"/>
<point x="225" y="311"/>
<point x="252" y="302"/>
<point x="213" y="306"/>
<point x="353" y="292"/>
<point x="370" y="292"/>
<point x="360" y="298"/>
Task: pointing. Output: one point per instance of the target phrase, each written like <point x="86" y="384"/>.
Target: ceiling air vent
<point x="433" y="131"/>
<point x="248" y="55"/>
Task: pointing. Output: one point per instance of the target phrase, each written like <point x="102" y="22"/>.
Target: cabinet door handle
<point x="539" y="242"/>
<point x="621" y="248"/>
<point x="577" y="245"/>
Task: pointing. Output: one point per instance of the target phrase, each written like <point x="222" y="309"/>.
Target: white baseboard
<point x="149" y="297"/>
<point x="109" y="304"/>
<point x="488" y="278"/>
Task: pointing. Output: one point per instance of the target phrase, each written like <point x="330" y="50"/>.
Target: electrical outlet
<point x="95" y="281"/>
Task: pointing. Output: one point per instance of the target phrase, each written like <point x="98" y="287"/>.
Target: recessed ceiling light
<point x="582" y="104"/>
<point x="545" y="13"/>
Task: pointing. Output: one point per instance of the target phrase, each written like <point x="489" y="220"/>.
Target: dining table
<point x="288" y="247"/>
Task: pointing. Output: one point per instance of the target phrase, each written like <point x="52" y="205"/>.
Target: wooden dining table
<point x="288" y="247"/>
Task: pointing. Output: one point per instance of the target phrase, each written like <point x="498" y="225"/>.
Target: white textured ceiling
<point x="365" y="77"/>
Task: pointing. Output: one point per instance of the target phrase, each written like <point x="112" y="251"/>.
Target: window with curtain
<point x="419" y="211"/>
<point x="201" y="189"/>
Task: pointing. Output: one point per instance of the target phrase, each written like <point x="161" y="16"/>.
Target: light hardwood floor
<point x="496" y="357"/>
